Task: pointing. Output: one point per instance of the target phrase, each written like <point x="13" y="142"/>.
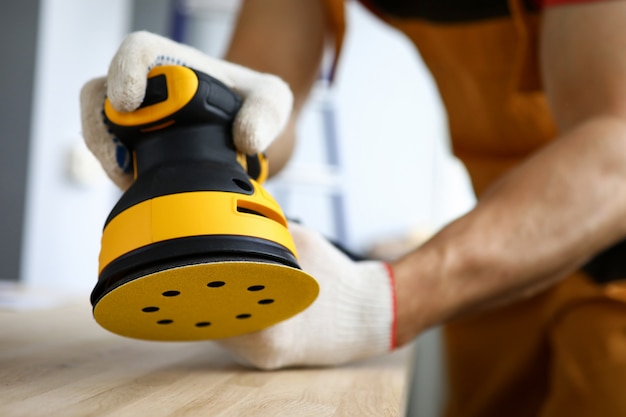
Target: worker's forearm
<point x="285" y="38"/>
<point x="542" y="220"/>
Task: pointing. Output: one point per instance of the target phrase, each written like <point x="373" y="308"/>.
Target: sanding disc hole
<point x="266" y="301"/>
<point x="244" y="316"/>
<point x="167" y="321"/>
<point x="242" y="184"/>
<point x="203" y="324"/>
<point x="216" y="284"/>
<point x="150" y="309"/>
<point x="171" y="293"/>
<point x="256" y="288"/>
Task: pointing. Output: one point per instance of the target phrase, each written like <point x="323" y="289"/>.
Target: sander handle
<point x="179" y="97"/>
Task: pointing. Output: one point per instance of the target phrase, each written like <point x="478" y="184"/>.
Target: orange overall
<point x="562" y="352"/>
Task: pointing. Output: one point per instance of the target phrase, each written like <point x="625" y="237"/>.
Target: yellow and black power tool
<point x="195" y="249"/>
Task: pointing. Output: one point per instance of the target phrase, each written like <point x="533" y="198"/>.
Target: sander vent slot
<point x="250" y="211"/>
<point x="250" y="207"/>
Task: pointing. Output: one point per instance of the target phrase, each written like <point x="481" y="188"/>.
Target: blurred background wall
<point x="372" y="163"/>
<point x="16" y="85"/>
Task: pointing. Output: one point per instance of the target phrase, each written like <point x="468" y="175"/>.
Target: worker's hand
<point x="352" y="318"/>
<point x="267" y="100"/>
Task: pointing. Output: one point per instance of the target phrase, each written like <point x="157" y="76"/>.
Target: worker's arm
<point x="554" y="212"/>
<point x="285" y="38"/>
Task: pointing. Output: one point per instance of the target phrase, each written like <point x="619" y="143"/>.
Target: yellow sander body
<point x="196" y="248"/>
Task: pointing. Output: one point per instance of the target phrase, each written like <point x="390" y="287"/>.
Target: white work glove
<point x="267" y="100"/>
<point x="353" y="317"/>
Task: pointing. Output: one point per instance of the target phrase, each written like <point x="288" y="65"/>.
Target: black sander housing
<point x="196" y="248"/>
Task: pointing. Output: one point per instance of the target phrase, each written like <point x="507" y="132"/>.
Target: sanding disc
<point x="206" y="301"/>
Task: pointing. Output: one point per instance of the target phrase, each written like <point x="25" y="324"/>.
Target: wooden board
<point x="59" y="362"/>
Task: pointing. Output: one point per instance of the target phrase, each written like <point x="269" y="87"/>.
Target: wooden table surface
<point x="59" y="362"/>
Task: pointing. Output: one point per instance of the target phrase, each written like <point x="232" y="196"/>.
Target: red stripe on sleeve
<point x="394" y="324"/>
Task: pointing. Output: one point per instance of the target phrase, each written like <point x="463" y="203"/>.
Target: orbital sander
<point x="196" y="248"/>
